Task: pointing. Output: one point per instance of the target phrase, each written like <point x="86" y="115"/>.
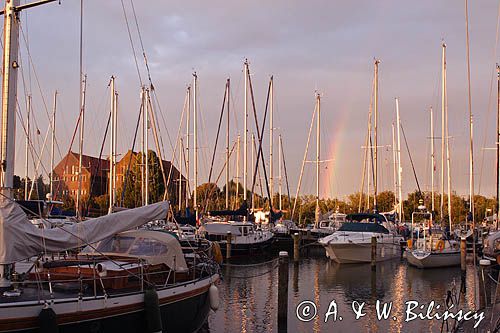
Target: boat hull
<point x="183" y="309"/>
<point x="426" y="259"/>
<point x="351" y="253"/>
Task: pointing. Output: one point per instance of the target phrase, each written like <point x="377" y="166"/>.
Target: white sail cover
<point x="20" y="239"/>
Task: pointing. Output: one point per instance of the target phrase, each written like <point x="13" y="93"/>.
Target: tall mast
<point x="318" y="147"/>
<point x="188" y="122"/>
<point x="394" y="167"/>
<point x="498" y="145"/>
<point x="112" y="146"/>
<point x="245" y="133"/>
<point x="400" y="170"/>
<point x="82" y="123"/>
<point x="195" y="129"/>
<point x="252" y="164"/>
<point x="237" y="168"/>
<point x="375" y="166"/>
<point x="26" y="156"/>
<point x="143" y="110"/>
<point x="146" y="149"/>
<point x="52" y="146"/>
<point x="433" y="166"/>
<point x="180" y="199"/>
<point x="279" y="171"/>
<point x="448" y="158"/>
<point x="228" y="84"/>
<point x="443" y="120"/>
<point x="271" y="139"/>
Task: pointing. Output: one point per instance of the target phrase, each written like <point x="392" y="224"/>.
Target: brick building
<point x="94" y="173"/>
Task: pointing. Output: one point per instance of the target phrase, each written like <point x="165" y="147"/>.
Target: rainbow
<point x="335" y="144"/>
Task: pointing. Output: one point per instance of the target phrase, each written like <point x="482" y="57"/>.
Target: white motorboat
<point x="245" y="237"/>
<point x="351" y="243"/>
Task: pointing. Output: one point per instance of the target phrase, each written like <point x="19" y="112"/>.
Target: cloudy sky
<point x="328" y="46"/>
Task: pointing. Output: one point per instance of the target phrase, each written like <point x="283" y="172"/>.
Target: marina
<point x="144" y="202"/>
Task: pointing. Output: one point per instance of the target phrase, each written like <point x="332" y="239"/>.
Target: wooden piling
<point x="374" y="253"/>
<point x="282" y="292"/>
<point x="484" y="284"/>
<point x="228" y="245"/>
<point x="296" y="247"/>
<point x="463" y="262"/>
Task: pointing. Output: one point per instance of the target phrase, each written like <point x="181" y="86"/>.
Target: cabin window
<point x="245" y="231"/>
<point x="148" y="247"/>
<point x="115" y="244"/>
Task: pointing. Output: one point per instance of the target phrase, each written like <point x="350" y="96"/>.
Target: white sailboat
<point x="432" y="252"/>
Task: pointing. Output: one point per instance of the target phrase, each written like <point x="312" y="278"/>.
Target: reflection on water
<point x="249" y="295"/>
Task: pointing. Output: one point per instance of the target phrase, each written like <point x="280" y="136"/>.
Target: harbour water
<point x="249" y="296"/>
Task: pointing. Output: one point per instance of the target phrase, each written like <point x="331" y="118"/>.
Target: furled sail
<point x="19" y="239"/>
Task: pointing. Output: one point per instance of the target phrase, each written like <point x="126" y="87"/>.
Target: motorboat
<point x="351" y="243"/>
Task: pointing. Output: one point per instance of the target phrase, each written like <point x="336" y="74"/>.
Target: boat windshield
<point x="116" y="244"/>
<point x="364" y="227"/>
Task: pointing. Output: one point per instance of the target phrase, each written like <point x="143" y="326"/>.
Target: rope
<point x="250" y="265"/>
<point x="253" y="275"/>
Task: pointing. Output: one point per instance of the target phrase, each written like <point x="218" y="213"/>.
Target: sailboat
<point x="124" y="280"/>
<point x="431" y="252"/>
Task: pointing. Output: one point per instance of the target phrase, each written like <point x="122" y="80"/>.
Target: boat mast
<point x="443" y="69"/>
<point x="400" y="170"/>
<point x="245" y="133"/>
<point x="143" y="110"/>
<point x="253" y="163"/>
<point x="318" y="124"/>
<point x="188" y="115"/>
<point x="80" y="153"/>
<point x="375" y="167"/>
<point x="271" y="139"/>
<point x="228" y="84"/>
<point x="180" y="199"/>
<point x="498" y="145"/>
<point x="237" y="169"/>
<point x="52" y="146"/>
<point x="146" y="148"/>
<point x="26" y="156"/>
<point x="112" y="147"/>
<point x="448" y="157"/>
<point x="195" y="128"/>
<point x="280" y="186"/>
<point x="394" y="166"/>
<point x="433" y="166"/>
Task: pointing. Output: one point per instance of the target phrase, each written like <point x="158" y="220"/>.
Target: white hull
<point x="434" y="259"/>
<point x="352" y="251"/>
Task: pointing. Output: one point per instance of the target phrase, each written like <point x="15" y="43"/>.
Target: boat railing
<point x="199" y="269"/>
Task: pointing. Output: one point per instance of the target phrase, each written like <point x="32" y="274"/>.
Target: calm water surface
<point x="249" y="295"/>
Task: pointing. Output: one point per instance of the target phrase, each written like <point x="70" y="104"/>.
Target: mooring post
<point x="296" y="246"/>
<point x="484" y="284"/>
<point x="282" y="292"/>
<point x="228" y="245"/>
<point x="374" y="253"/>
<point x="463" y="261"/>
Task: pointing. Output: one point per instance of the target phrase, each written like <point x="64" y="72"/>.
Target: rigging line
<point x="141" y="109"/>
<point x="131" y="43"/>
<point x="69" y="151"/>
<point x="218" y="132"/>
<point x="260" y="134"/>
<point x="286" y="176"/>
<point x="140" y="41"/>
<point x="488" y="114"/>
<point x="303" y="164"/>
<point x="98" y="165"/>
<point x="219" y="176"/>
<point x="39" y="87"/>
<point x="411" y="161"/>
